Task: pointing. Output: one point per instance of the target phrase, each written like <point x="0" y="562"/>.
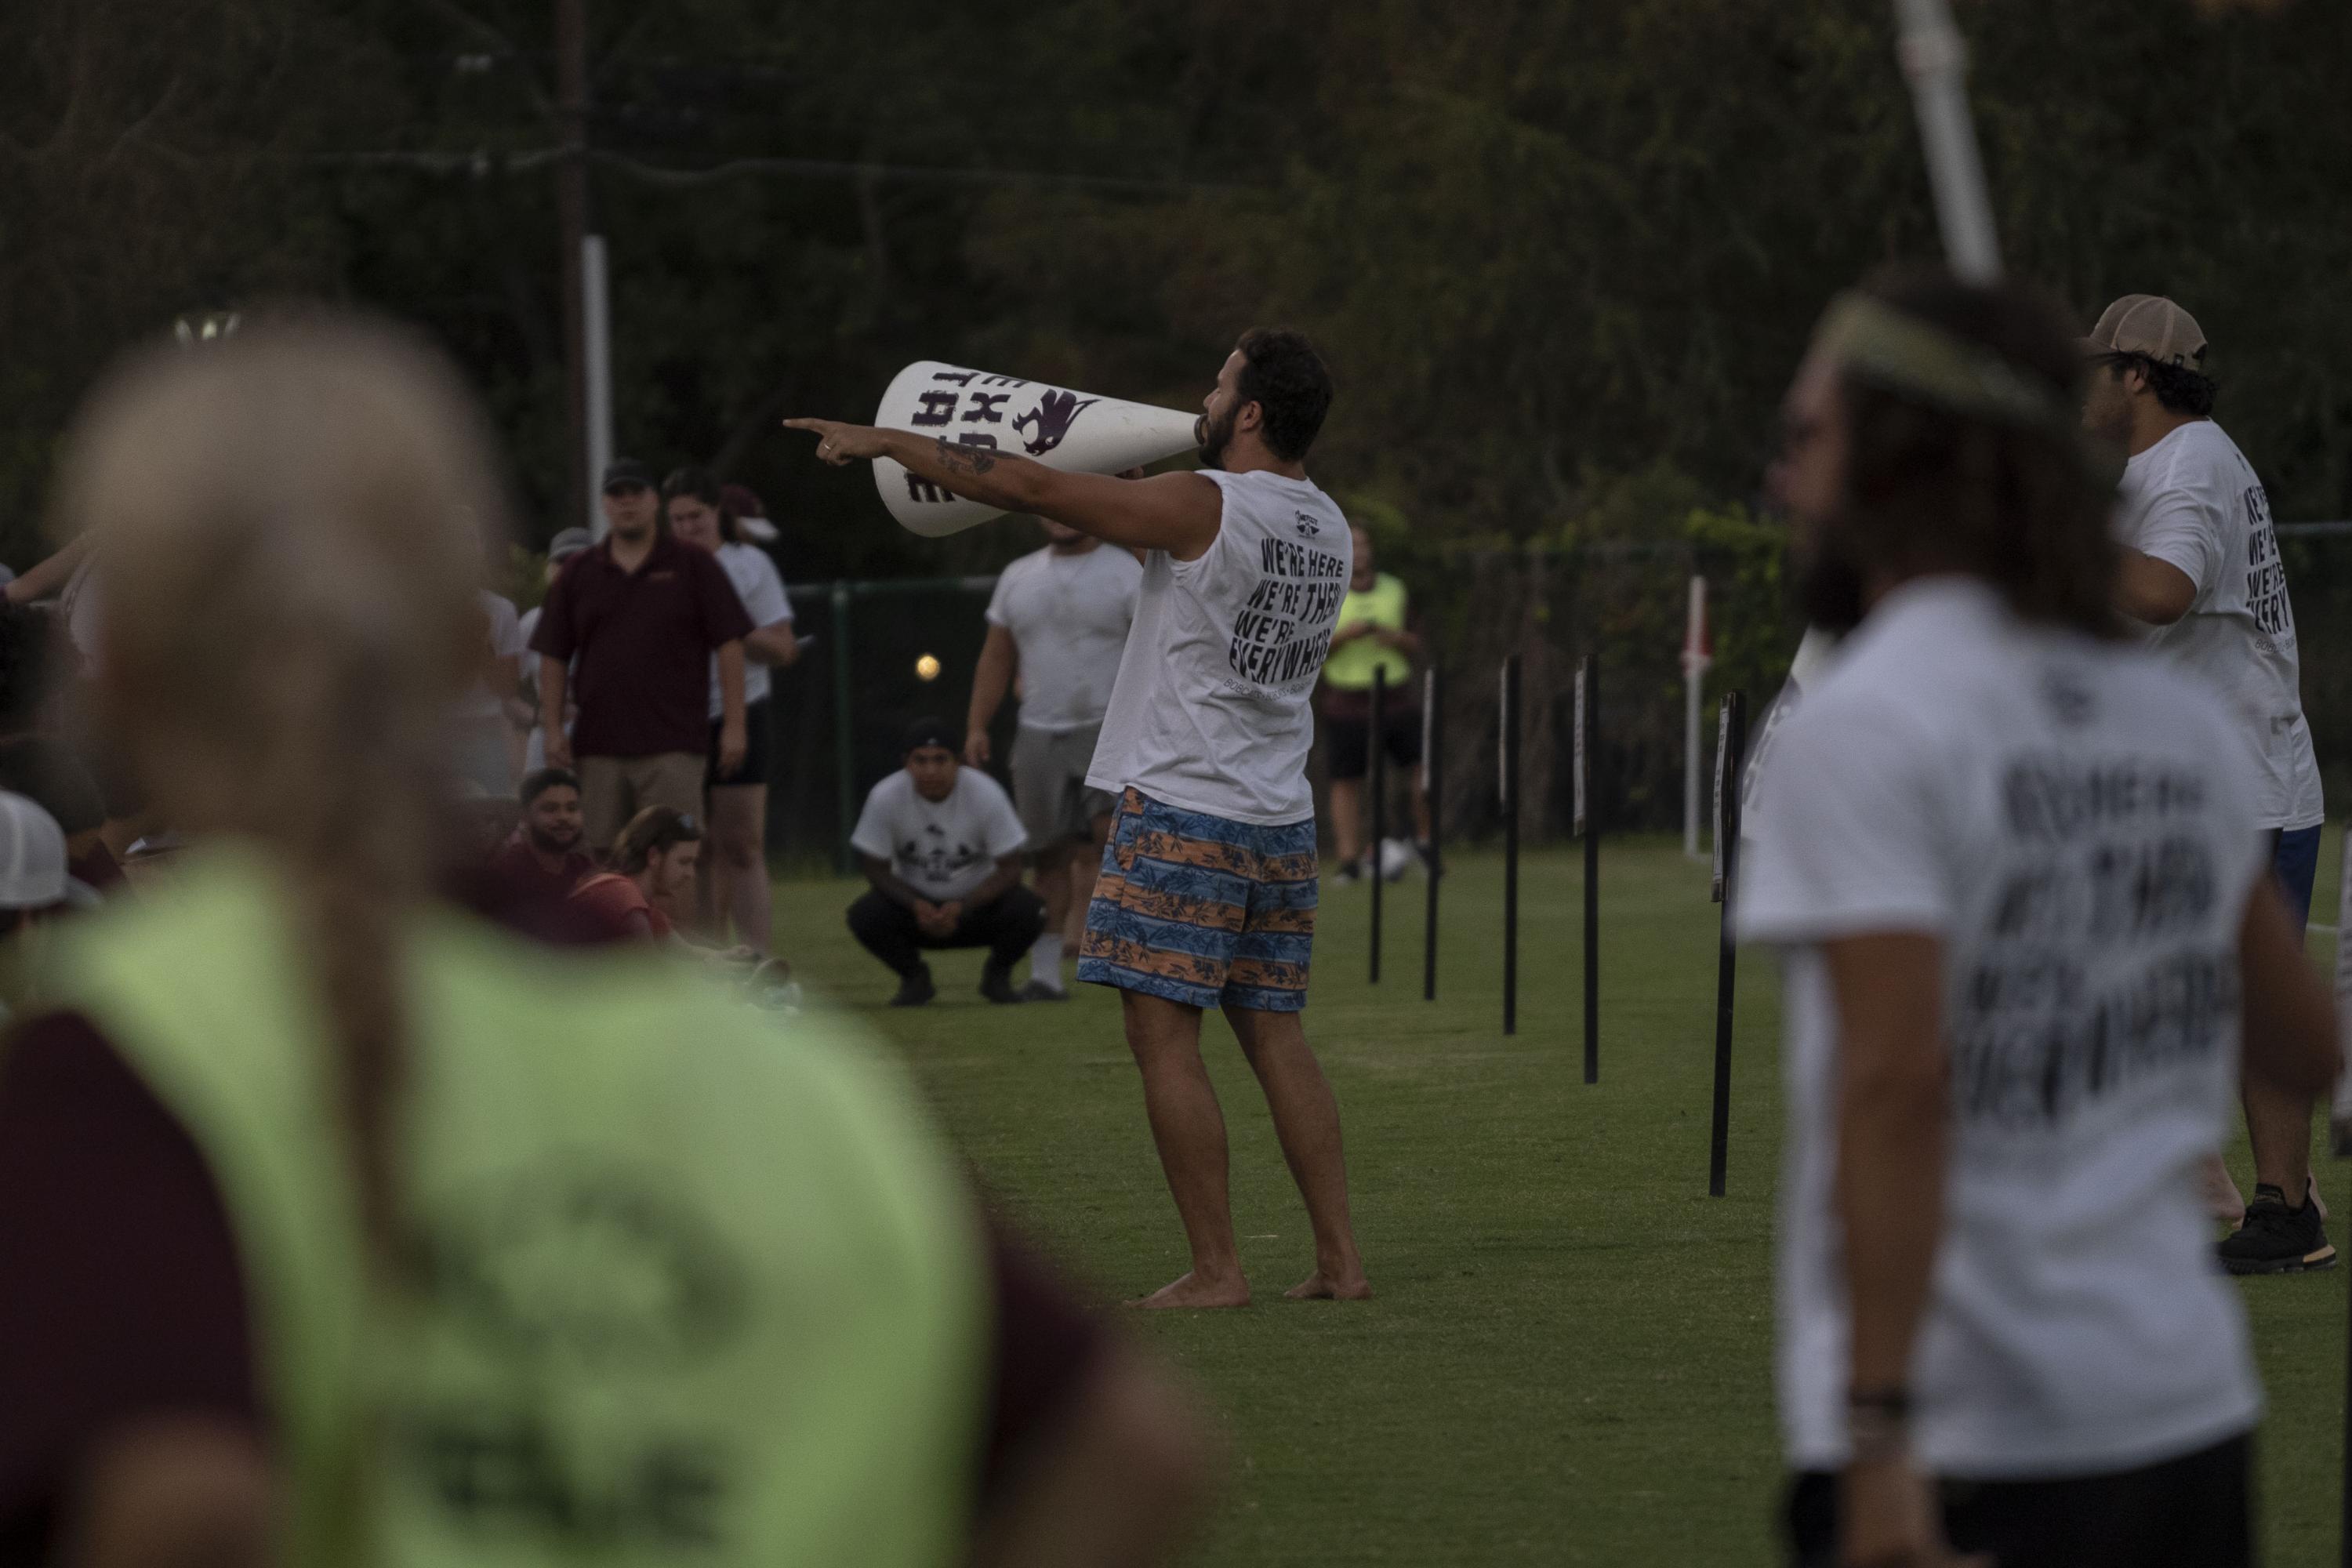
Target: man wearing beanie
<point x="941" y="845"/>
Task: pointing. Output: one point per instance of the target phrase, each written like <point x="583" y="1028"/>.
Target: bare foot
<point x="1321" y="1286"/>
<point x="1194" y="1291"/>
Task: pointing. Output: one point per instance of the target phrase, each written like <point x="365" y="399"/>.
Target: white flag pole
<point x="1936" y="62"/>
<point x="1696" y="663"/>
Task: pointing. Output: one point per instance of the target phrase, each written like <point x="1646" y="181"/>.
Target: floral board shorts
<point x="1203" y="910"/>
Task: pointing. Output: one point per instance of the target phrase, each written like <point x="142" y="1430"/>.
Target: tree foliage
<point x="1562" y="254"/>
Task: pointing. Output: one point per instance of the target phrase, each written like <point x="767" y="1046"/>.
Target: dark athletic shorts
<point x="2295" y="858"/>
<point x="1203" y="910"/>
<point x="1348" y="742"/>
<point x="2191" y="1512"/>
<point x="756" y="747"/>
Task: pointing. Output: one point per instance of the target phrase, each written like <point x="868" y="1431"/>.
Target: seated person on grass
<point x="942" y="845"/>
<point x="547" y="858"/>
<point x="651" y="882"/>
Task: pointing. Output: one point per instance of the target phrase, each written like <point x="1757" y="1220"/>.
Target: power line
<point x="483" y="162"/>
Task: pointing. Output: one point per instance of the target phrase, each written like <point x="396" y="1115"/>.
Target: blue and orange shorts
<point x="1203" y="910"/>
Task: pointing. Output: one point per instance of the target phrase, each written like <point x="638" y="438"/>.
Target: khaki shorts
<point x="1049" y="786"/>
<point x="614" y="789"/>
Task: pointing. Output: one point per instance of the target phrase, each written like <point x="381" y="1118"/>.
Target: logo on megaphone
<point x="1078" y="432"/>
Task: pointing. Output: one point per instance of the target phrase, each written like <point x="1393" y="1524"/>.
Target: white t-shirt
<point x="761" y="589"/>
<point x="942" y="850"/>
<point x="2070" y="818"/>
<point x="1069" y="616"/>
<point x="506" y="642"/>
<point x="1211" y="711"/>
<point x="2192" y="501"/>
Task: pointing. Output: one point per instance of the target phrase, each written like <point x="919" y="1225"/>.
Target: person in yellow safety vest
<point x="1373" y="634"/>
<point x="339" y="1227"/>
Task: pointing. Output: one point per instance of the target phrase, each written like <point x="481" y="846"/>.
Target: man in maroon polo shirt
<point x="642" y="614"/>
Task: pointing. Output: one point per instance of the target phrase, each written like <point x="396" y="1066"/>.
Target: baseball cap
<point x="570" y="543"/>
<point x="33" y="860"/>
<point x="926" y="731"/>
<point x="751" y="512"/>
<point x="2152" y="325"/>
<point x="626" y="472"/>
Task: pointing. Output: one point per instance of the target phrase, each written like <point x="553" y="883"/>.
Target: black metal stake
<point x="1377" y="785"/>
<point x="1588" y="775"/>
<point x="1731" y="750"/>
<point x="1432" y="777"/>
<point x="1510" y="792"/>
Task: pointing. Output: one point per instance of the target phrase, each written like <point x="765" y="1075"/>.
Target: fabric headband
<point x="1901" y="354"/>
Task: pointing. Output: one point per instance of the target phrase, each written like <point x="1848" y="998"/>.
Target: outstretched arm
<point x="1176" y="513"/>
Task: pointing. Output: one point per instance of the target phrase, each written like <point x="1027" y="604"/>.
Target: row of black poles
<point x="1588" y="823"/>
<point x="1730" y="753"/>
<point x="1510" y="784"/>
<point x="1432" y="776"/>
<point x="1378" y="785"/>
<point x="1586" y="733"/>
<point x="1432" y="783"/>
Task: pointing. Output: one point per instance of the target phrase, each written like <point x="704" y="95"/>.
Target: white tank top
<point x="1211" y="710"/>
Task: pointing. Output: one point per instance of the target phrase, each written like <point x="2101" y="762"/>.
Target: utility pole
<point x="572" y="218"/>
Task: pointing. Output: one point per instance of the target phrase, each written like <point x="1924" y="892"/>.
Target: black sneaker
<point x="1351" y="871"/>
<point x="996" y="984"/>
<point x="2277" y="1239"/>
<point x="915" y="988"/>
<point x="1038" y="991"/>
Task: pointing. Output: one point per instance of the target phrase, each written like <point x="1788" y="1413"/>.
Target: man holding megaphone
<point x="1208" y="888"/>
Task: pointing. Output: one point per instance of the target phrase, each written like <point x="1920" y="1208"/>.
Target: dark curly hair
<point x="1283" y="375"/>
<point x="2179" y="388"/>
<point x="1928" y="489"/>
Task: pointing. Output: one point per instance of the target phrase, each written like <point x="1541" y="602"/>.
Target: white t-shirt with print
<point x="2071" y="819"/>
<point x="1211" y="708"/>
<point x="945" y="848"/>
<point x="761" y="588"/>
<point x="1069" y="616"/>
<point x="2192" y="501"/>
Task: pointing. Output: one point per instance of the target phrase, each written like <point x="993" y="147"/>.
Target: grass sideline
<point x="1568" y="1359"/>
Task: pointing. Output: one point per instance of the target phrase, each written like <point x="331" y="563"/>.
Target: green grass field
<point x="1568" y="1361"/>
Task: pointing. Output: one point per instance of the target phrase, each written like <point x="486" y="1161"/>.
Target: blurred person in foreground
<point x="2202" y="576"/>
<point x="735" y="854"/>
<point x="1208" y="889"/>
<point x="2027" y="922"/>
<point x="1374" y="636"/>
<point x="339" y="1227"/>
<point x="1057" y="623"/>
<point x="641" y="615"/>
<point x="940" y="846"/>
<point x="547" y="856"/>
<point x="648" y="888"/>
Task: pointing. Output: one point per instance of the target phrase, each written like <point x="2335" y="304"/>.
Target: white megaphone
<point x="1074" y="431"/>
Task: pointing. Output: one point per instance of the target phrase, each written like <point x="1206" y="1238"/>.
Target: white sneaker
<point x="1396" y="860"/>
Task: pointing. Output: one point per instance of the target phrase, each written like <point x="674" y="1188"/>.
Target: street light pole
<point x="572" y="218"/>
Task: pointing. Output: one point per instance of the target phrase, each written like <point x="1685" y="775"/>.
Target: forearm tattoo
<point x="958" y="458"/>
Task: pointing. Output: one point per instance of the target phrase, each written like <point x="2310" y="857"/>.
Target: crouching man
<point x="942" y="845"/>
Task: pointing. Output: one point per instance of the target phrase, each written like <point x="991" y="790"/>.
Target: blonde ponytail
<point x="289" y="529"/>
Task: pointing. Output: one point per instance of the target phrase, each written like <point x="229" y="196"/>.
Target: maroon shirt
<point x="518" y="867"/>
<point x="643" y="640"/>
